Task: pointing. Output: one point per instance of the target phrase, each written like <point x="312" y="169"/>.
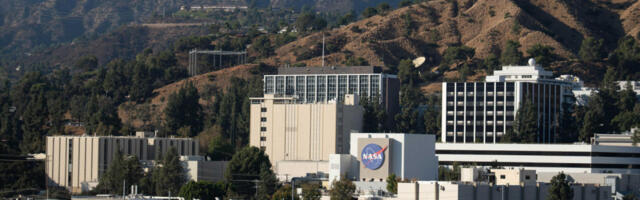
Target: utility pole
<point x="124" y="184"/>
<point x="322" y="49"/>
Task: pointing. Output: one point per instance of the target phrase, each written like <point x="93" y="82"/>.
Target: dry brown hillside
<point x="427" y="29"/>
<point x="219" y="79"/>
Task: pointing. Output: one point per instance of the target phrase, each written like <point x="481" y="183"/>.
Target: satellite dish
<point x="419" y="61"/>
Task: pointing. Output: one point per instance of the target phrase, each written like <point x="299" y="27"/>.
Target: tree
<point x="284" y="192"/>
<point x="457" y="53"/>
<point x="591" y="49"/>
<point x="87" y="63"/>
<point x="311" y="191"/>
<point x="204" y="190"/>
<point x="511" y="55"/>
<point x="347" y="18"/>
<point x="141" y="87"/>
<point x="449" y="174"/>
<point x="407" y="73"/>
<point x="560" y="188"/>
<point x="262" y="46"/>
<point x="408" y="120"/>
<point x="184" y="110"/>
<point x="123" y="169"/>
<point x="568" y="124"/>
<point x="392" y="184"/>
<point x="432" y="116"/>
<point x="220" y="148"/>
<point x="626" y="58"/>
<point x="543" y="54"/>
<point x="525" y="127"/>
<point x="383" y="8"/>
<point x="247" y="165"/>
<point x="268" y="182"/>
<point x="627" y="98"/>
<point x="405" y="3"/>
<point x="491" y="63"/>
<point x="373" y="119"/>
<point x="169" y="176"/>
<point x="369" y="12"/>
<point x="342" y="189"/>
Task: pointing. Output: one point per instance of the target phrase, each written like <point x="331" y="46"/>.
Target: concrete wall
<point x="445" y="190"/>
<point x="410" y="156"/>
<point x="292" y="131"/>
<point x="286" y="169"/>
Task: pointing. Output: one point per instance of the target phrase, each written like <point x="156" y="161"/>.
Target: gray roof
<point x="330" y="70"/>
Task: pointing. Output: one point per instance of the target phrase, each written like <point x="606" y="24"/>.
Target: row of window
<point x="319" y="88"/>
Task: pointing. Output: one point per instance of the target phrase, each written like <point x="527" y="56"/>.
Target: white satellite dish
<point x="419" y="61"/>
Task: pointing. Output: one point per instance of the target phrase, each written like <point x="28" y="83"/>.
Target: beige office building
<point x="76" y="162"/>
<point x="287" y="130"/>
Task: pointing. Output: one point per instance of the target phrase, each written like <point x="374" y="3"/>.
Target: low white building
<point x="578" y="158"/>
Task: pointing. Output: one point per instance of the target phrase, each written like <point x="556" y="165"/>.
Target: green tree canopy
<point x="342" y="189"/>
<point x="184" y="110"/>
<point x="123" y="169"/>
<point x="169" y="176"/>
<point x="311" y="191"/>
<point x="457" y="53"/>
<point x="248" y="165"/>
<point x="369" y="12"/>
<point x="262" y="46"/>
<point x="383" y="7"/>
<point x="525" y="127"/>
<point x="543" y="54"/>
<point x="392" y="184"/>
<point x="591" y="49"/>
<point x="560" y="188"/>
<point x="283" y="192"/>
<point x="511" y="55"/>
<point x="204" y="190"/>
<point x="373" y="119"/>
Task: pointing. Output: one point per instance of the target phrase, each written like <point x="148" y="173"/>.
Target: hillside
<point x="206" y="83"/>
<point x="427" y="29"/>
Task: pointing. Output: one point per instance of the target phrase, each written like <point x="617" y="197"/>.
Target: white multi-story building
<point x="635" y="86"/>
<point x="580" y="92"/>
<point x="570" y="158"/>
<point x="324" y="84"/>
<point x="482" y="112"/>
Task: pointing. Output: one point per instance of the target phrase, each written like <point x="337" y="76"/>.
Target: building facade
<point x="482" y="112"/>
<point x="287" y="130"/>
<point x="324" y="84"/>
<point x="77" y="162"/>
<point x="568" y="158"/>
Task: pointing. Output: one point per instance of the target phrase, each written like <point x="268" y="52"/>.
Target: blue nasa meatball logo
<point x="372" y="156"/>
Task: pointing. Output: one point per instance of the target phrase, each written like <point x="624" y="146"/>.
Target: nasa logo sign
<point x="372" y="156"/>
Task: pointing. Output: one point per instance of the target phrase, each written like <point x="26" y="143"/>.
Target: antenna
<point x="322" y="49"/>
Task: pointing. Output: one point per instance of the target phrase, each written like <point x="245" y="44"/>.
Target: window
<point x="263" y="129"/>
<point x="527" y="177"/>
<point x="265" y="139"/>
<point x="502" y="176"/>
<point x="263" y="119"/>
<point x="263" y="148"/>
<point x="263" y="109"/>
<point x="526" y="76"/>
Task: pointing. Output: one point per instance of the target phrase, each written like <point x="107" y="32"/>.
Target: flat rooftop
<point x="330" y="70"/>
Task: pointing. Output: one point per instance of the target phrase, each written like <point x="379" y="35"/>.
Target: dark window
<point x="263" y="109"/>
<point x="263" y="119"/>
<point x="263" y="148"/>
<point x="263" y="129"/>
<point x="526" y="177"/>
<point x="502" y="177"/>
<point x="263" y="138"/>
